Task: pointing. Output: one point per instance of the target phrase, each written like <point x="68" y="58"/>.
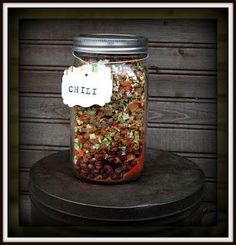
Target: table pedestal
<point x="169" y="192"/>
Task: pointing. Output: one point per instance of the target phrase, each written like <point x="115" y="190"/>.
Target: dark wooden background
<point x="182" y="90"/>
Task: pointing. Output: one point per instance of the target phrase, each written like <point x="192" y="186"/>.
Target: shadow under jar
<point x="108" y="142"/>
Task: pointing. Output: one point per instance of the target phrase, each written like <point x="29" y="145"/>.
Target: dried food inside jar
<point x="109" y="141"/>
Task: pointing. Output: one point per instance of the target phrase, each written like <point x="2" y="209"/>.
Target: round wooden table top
<point x="169" y="185"/>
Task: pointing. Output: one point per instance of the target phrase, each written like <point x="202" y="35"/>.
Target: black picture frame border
<point x="17" y="14"/>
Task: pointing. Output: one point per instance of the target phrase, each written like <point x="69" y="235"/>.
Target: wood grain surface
<point x="164" y="30"/>
<point x="159" y="111"/>
<point x="193" y="140"/>
<point x="182" y="91"/>
<point x="162" y="58"/>
<point x="160" y="85"/>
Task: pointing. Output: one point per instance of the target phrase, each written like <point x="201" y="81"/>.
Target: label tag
<point x="87" y="85"/>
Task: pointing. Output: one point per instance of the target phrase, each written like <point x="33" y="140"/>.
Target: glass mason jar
<point x="108" y="142"/>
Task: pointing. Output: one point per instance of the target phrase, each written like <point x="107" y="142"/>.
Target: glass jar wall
<point x="108" y="142"/>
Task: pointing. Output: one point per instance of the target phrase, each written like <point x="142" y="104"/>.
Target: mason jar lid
<point x="110" y="44"/>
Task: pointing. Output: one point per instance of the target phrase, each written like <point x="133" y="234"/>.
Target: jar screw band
<point x="113" y="62"/>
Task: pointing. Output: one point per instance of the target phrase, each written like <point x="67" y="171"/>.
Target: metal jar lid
<point x="110" y="44"/>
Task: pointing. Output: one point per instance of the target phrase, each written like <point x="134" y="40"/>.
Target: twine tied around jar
<point x="111" y="62"/>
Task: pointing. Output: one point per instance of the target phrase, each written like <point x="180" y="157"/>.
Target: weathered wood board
<point x="182" y="92"/>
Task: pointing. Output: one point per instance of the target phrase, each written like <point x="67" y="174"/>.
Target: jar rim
<point x="111" y="44"/>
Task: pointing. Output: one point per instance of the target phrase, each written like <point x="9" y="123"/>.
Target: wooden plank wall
<point x="182" y="89"/>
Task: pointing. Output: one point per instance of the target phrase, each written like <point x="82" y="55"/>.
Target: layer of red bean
<point x="104" y="169"/>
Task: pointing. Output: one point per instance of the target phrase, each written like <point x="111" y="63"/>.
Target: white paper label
<point x="87" y="85"/>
